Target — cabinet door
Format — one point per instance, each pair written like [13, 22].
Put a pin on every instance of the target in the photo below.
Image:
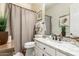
[39, 52]
[60, 53]
[47, 49]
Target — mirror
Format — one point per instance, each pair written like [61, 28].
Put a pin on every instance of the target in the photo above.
[60, 18]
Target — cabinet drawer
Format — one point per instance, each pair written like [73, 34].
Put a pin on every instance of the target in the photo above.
[47, 49]
[39, 52]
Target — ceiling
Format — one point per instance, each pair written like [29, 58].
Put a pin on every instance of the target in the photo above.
[48, 5]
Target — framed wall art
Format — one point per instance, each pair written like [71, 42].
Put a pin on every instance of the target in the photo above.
[64, 20]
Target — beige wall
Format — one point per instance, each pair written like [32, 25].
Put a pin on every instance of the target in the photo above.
[57, 11]
[74, 16]
[2, 8]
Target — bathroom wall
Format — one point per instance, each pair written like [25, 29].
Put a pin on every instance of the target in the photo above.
[74, 16]
[2, 8]
[56, 11]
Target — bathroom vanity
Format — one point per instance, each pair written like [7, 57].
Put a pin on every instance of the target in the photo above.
[47, 47]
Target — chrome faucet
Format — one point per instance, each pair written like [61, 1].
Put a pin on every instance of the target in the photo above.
[55, 37]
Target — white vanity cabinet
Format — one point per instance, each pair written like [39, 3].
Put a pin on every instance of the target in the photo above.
[42, 49]
[47, 47]
[58, 53]
[46, 50]
[39, 52]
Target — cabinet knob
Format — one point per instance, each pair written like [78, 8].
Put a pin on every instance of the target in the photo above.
[42, 54]
[44, 48]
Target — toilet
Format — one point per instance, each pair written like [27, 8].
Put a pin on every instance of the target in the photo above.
[29, 46]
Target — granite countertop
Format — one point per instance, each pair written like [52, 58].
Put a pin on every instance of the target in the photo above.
[65, 47]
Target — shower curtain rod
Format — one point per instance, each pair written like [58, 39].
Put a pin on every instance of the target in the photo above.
[22, 7]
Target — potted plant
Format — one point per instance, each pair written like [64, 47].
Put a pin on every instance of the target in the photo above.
[63, 27]
[63, 31]
[3, 33]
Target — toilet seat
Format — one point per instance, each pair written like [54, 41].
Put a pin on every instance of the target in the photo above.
[29, 45]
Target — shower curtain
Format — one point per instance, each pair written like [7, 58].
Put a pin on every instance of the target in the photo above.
[15, 17]
[23, 21]
[28, 22]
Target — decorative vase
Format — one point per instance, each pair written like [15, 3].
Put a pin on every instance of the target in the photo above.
[63, 31]
[3, 38]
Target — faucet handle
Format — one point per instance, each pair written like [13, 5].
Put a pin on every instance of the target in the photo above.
[59, 39]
